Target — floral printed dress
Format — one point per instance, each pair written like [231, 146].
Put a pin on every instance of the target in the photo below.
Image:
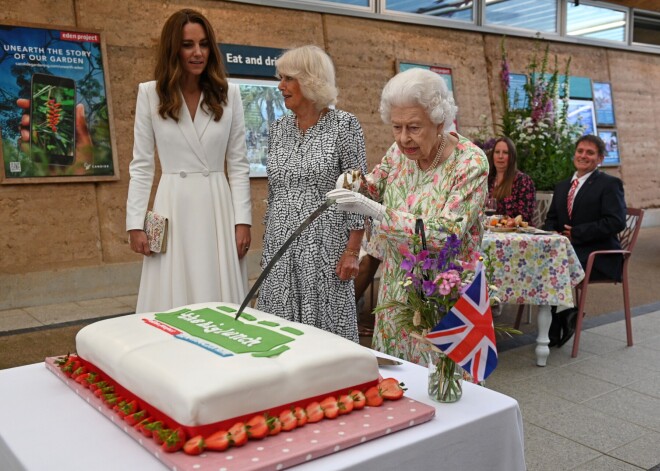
[522, 199]
[449, 199]
[302, 167]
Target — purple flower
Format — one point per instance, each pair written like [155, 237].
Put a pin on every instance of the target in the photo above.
[504, 75]
[429, 287]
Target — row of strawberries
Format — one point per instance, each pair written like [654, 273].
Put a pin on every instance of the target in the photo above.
[257, 428]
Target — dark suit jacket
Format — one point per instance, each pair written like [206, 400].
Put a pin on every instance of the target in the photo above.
[599, 214]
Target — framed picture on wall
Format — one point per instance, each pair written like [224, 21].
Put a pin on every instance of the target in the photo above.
[444, 72]
[262, 104]
[603, 104]
[516, 91]
[611, 141]
[582, 112]
[56, 114]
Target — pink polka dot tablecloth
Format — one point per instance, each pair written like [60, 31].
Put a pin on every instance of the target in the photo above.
[286, 449]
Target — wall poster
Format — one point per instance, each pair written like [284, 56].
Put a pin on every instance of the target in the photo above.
[603, 104]
[262, 105]
[611, 141]
[444, 72]
[55, 116]
[582, 112]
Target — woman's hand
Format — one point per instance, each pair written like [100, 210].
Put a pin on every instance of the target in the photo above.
[348, 265]
[138, 240]
[352, 202]
[243, 239]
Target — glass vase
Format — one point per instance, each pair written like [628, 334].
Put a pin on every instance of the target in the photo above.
[445, 378]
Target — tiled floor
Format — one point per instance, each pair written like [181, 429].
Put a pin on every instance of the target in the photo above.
[599, 411]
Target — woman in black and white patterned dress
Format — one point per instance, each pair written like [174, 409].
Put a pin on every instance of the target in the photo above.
[307, 151]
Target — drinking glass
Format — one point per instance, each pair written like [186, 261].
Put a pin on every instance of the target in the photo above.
[491, 206]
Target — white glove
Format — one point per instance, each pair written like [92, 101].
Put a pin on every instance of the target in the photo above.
[352, 202]
[346, 178]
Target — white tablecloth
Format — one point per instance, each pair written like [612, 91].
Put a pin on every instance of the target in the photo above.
[45, 426]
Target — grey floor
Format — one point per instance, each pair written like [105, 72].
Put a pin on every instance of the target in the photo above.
[599, 411]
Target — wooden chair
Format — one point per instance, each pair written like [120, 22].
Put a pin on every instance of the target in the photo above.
[628, 238]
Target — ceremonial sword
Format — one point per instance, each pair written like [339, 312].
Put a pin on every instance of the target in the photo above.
[281, 251]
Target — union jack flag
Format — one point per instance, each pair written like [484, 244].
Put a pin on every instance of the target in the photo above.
[466, 332]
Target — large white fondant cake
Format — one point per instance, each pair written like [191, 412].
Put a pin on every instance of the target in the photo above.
[199, 366]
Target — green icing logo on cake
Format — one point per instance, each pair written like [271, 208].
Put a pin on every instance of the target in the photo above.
[219, 332]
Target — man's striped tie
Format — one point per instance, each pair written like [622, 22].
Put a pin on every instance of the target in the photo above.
[571, 196]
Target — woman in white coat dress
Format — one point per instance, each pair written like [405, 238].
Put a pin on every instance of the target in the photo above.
[194, 119]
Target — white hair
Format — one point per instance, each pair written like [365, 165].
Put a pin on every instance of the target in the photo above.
[315, 72]
[418, 87]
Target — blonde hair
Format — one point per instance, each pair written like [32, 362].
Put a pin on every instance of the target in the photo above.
[315, 72]
[419, 87]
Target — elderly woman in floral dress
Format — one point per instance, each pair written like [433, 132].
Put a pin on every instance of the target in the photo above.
[429, 174]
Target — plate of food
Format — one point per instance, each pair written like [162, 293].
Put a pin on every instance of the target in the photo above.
[502, 229]
[506, 224]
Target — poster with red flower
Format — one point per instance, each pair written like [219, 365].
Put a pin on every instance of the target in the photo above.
[55, 115]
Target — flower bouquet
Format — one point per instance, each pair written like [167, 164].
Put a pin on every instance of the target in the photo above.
[433, 283]
[436, 311]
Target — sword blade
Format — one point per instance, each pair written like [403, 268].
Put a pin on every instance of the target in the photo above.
[320, 210]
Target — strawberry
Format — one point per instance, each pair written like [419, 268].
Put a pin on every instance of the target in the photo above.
[88, 379]
[238, 434]
[218, 441]
[391, 389]
[135, 417]
[374, 399]
[359, 400]
[274, 425]
[257, 428]
[174, 441]
[301, 416]
[70, 367]
[314, 412]
[127, 408]
[194, 446]
[81, 370]
[82, 379]
[289, 421]
[61, 361]
[111, 399]
[100, 392]
[345, 404]
[149, 429]
[159, 435]
[330, 407]
[98, 385]
[141, 424]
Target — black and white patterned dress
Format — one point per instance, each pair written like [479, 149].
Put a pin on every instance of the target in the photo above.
[302, 168]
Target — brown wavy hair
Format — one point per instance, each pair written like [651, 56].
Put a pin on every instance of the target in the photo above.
[504, 189]
[168, 73]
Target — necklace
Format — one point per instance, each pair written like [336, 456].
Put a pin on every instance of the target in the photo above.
[438, 155]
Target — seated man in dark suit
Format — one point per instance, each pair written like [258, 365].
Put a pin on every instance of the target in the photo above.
[589, 208]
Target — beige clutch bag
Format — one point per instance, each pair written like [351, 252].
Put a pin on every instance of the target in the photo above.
[155, 226]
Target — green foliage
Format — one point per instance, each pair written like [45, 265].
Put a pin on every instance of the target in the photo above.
[544, 139]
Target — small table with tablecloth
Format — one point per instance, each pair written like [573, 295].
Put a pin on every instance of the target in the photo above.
[534, 268]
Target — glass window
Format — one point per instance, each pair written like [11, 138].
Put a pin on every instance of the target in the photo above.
[357, 3]
[595, 22]
[536, 15]
[451, 10]
[352, 3]
[646, 28]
